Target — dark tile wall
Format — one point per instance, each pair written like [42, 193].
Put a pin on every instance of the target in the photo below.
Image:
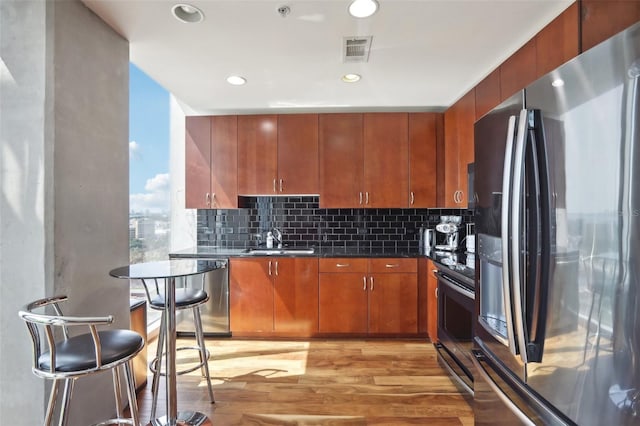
[303, 223]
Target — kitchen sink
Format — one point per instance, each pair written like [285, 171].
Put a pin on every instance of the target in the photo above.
[279, 251]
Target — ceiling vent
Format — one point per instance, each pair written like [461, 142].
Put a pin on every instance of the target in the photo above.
[356, 49]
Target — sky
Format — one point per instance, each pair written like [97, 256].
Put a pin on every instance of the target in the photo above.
[148, 144]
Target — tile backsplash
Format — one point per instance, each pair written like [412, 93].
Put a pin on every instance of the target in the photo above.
[303, 223]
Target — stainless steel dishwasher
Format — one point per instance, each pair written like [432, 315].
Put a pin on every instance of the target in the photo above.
[215, 313]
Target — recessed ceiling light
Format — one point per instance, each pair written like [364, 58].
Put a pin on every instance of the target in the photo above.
[363, 8]
[558, 82]
[236, 80]
[187, 13]
[350, 78]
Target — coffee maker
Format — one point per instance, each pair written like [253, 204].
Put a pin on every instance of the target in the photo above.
[449, 226]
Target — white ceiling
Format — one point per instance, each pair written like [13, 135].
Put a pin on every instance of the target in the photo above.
[425, 54]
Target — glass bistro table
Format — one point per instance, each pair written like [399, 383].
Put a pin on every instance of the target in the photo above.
[169, 270]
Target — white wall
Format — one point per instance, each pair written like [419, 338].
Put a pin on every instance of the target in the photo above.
[64, 203]
[183, 221]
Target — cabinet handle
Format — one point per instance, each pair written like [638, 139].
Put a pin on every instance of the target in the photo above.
[207, 199]
[413, 198]
[269, 268]
[213, 199]
[391, 265]
[360, 197]
[366, 197]
[364, 283]
[455, 197]
[342, 265]
[280, 185]
[371, 283]
[274, 185]
[276, 268]
[436, 292]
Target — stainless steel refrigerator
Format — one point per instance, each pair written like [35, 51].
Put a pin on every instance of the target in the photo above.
[557, 180]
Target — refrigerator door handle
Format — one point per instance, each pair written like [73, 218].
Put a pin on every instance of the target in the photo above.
[476, 359]
[518, 280]
[507, 178]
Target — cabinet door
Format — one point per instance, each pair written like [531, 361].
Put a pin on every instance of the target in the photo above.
[450, 184]
[559, 41]
[488, 93]
[198, 163]
[422, 159]
[250, 295]
[343, 303]
[393, 303]
[518, 70]
[298, 154]
[257, 154]
[295, 310]
[466, 120]
[432, 301]
[224, 162]
[386, 159]
[602, 19]
[341, 160]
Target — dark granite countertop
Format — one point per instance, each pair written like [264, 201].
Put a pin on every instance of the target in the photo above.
[207, 251]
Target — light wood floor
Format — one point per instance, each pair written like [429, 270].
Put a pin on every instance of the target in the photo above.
[328, 382]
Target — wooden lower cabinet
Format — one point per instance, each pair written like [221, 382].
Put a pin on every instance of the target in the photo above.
[273, 296]
[432, 301]
[367, 301]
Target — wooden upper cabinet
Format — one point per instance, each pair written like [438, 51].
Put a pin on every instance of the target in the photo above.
[459, 120]
[559, 41]
[298, 154]
[224, 162]
[488, 93]
[257, 154]
[602, 19]
[518, 70]
[386, 159]
[466, 146]
[341, 160]
[423, 133]
[197, 162]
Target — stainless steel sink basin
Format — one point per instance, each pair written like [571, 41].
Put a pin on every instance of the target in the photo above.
[279, 251]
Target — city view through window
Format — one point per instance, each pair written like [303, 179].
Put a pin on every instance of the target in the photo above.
[149, 200]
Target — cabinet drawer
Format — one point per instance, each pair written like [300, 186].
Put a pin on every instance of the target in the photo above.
[393, 265]
[343, 264]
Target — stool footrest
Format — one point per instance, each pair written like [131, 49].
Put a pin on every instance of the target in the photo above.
[154, 362]
[115, 422]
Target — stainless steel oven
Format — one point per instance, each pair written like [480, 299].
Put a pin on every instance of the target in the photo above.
[456, 307]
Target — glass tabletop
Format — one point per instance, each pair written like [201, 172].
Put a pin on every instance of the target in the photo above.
[165, 269]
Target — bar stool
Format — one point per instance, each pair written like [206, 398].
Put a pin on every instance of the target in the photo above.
[186, 298]
[70, 358]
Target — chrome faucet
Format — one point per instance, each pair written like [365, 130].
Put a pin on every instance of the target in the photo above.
[277, 236]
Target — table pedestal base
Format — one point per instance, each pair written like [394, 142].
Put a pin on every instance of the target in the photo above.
[185, 418]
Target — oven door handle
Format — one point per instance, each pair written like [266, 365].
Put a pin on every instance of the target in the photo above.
[451, 284]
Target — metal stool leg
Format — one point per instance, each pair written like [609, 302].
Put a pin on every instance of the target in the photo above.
[66, 399]
[203, 350]
[158, 366]
[117, 390]
[131, 392]
[52, 402]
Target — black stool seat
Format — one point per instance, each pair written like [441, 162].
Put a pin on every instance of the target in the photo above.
[184, 297]
[78, 353]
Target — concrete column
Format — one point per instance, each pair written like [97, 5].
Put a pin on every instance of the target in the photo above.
[63, 187]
